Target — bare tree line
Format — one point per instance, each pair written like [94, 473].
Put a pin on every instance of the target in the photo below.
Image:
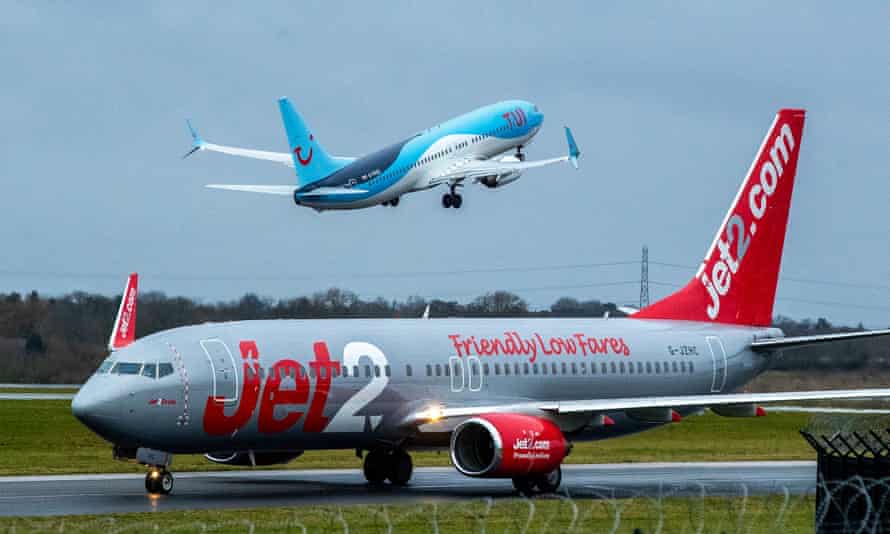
[62, 339]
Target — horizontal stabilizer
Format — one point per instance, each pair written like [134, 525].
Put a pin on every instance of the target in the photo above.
[285, 190]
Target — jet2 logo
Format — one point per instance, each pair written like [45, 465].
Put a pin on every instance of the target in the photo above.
[127, 314]
[737, 230]
[271, 395]
[299, 152]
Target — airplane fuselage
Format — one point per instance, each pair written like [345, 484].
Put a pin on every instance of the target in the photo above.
[323, 384]
[421, 161]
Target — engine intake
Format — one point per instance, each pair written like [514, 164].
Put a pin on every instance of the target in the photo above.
[493, 181]
[259, 458]
[507, 445]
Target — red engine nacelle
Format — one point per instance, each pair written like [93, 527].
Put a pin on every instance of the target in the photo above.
[502, 445]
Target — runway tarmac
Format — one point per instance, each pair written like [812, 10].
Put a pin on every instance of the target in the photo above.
[116, 493]
[36, 396]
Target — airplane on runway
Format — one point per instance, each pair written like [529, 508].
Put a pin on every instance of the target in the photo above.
[506, 397]
[483, 146]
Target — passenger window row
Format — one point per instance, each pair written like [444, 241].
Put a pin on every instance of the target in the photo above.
[402, 170]
[569, 368]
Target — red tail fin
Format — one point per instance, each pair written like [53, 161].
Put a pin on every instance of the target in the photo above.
[736, 283]
[124, 331]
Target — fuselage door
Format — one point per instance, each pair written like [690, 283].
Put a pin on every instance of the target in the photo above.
[224, 384]
[718, 357]
[474, 370]
[457, 373]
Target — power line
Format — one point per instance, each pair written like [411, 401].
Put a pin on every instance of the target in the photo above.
[802, 301]
[360, 275]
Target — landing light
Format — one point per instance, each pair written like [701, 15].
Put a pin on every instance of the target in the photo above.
[433, 413]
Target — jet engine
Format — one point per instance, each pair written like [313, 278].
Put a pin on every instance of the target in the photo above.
[247, 458]
[501, 445]
[499, 180]
[494, 181]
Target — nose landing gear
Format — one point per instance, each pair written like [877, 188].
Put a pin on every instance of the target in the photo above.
[159, 481]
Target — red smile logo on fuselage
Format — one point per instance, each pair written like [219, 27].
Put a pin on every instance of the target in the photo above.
[299, 152]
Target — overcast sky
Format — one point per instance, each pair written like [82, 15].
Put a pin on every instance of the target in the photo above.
[668, 104]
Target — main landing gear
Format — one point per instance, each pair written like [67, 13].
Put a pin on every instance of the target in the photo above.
[539, 483]
[159, 481]
[395, 466]
[452, 199]
[391, 203]
[520, 155]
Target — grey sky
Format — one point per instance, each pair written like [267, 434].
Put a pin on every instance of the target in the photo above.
[668, 103]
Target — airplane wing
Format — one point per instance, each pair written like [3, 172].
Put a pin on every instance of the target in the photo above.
[437, 413]
[285, 158]
[769, 345]
[479, 170]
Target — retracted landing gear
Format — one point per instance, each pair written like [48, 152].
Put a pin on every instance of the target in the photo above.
[452, 199]
[539, 483]
[395, 466]
[159, 481]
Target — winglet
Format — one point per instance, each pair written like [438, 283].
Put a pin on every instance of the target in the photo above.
[124, 331]
[197, 142]
[574, 153]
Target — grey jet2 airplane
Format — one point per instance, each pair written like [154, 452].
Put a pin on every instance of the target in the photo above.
[507, 397]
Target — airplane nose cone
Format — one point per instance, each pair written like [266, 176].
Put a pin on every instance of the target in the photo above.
[95, 408]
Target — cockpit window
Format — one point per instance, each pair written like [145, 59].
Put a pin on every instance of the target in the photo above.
[149, 370]
[106, 365]
[126, 368]
[165, 369]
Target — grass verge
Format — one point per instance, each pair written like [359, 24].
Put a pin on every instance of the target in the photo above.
[751, 515]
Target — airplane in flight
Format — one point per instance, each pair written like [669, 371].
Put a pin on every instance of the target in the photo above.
[483, 146]
[507, 397]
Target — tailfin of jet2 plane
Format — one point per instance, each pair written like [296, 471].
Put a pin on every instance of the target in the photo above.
[311, 161]
[736, 282]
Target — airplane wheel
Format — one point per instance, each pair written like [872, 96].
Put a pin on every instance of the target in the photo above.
[400, 468]
[548, 482]
[159, 482]
[524, 486]
[446, 200]
[456, 201]
[394, 202]
[376, 467]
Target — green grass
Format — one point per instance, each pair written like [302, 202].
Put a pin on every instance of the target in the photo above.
[752, 515]
[42, 437]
